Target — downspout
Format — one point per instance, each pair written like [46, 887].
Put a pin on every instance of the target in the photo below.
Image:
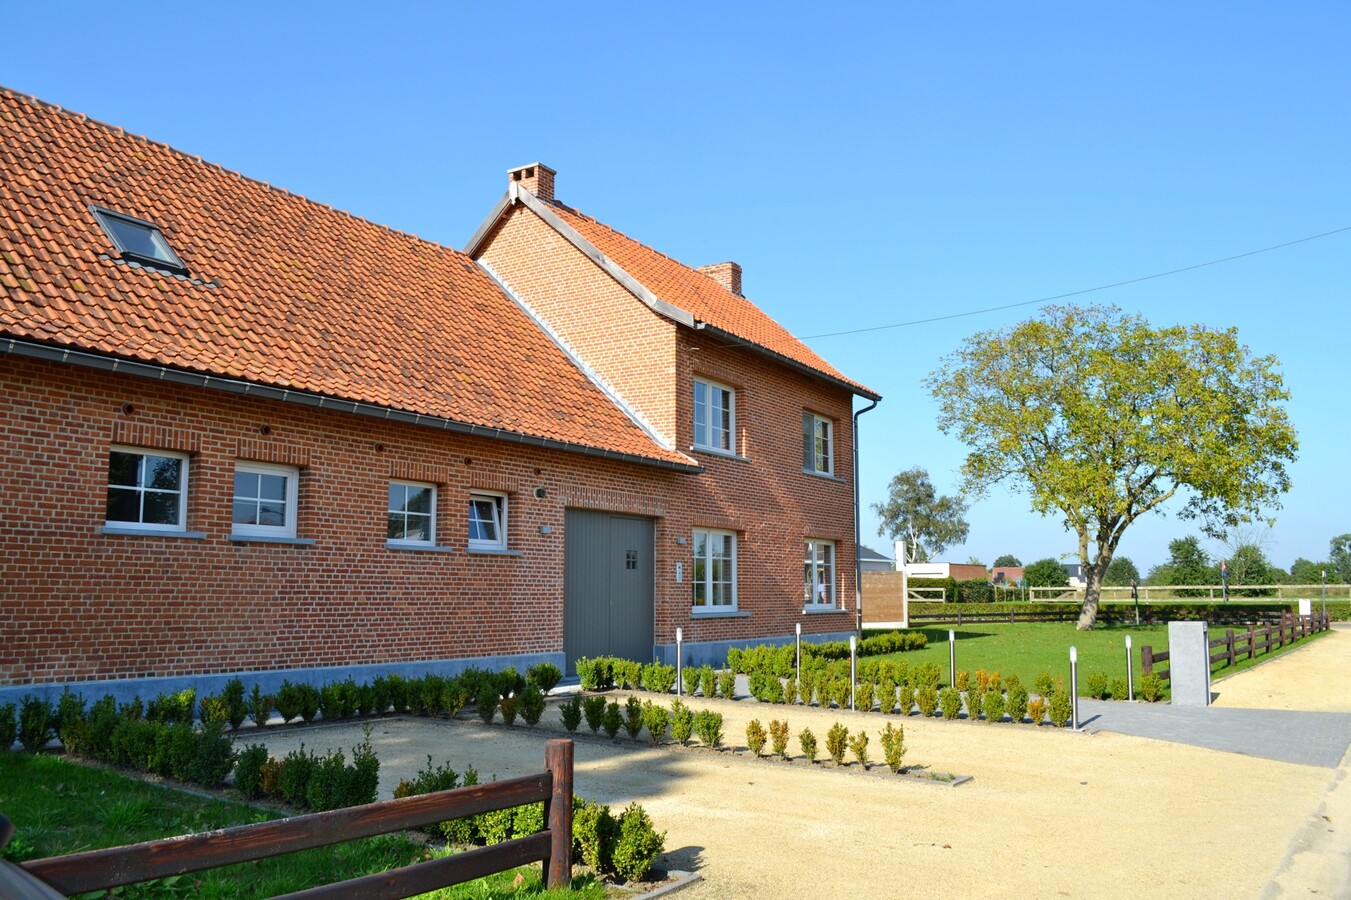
[858, 566]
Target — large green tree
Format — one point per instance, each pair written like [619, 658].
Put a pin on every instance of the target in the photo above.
[1102, 418]
[1008, 559]
[1339, 555]
[1048, 572]
[1121, 572]
[914, 511]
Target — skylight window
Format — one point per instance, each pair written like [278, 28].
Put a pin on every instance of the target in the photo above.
[139, 241]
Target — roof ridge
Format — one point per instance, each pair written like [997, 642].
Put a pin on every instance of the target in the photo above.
[119, 130]
[628, 237]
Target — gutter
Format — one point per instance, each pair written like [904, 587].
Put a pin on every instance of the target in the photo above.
[858, 566]
[789, 362]
[320, 401]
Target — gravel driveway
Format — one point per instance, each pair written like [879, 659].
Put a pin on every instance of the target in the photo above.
[1049, 812]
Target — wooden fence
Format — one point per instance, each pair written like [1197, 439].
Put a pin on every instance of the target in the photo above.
[1209, 592]
[1230, 648]
[98, 870]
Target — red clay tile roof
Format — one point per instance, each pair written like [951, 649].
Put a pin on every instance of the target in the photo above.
[285, 292]
[699, 294]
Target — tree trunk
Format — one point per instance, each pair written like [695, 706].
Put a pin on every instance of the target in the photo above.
[1088, 615]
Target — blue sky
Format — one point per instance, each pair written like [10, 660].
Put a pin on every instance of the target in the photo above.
[866, 164]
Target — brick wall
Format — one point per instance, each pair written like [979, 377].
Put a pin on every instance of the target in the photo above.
[79, 604]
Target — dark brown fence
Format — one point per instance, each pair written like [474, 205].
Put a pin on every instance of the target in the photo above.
[1242, 645]
[97, 870]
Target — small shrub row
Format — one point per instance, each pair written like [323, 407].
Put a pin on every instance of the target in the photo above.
[626, 845]
[306, 781]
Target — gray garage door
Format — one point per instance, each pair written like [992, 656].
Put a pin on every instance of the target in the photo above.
[607, 586]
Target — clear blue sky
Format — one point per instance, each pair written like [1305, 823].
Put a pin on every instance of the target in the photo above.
[867, 164]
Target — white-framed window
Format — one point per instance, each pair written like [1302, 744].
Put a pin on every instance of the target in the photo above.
[818, 440]
[265, 500]
[714, 570]
[714, 416]
[487, 521]
[818, 573]
[412, 512]
[147, 489]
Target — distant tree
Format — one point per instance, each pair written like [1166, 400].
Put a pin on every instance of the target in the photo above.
[913, 510]
[1046, 572]
[1249, 565]
[1121, 572]
[1188, 563]
[1306, 571]
[1103, 418]
[1339, 556]
[974, 561]
[1008, 559]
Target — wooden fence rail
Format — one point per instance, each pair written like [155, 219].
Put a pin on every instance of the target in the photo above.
[1243, 644]
[97, 870]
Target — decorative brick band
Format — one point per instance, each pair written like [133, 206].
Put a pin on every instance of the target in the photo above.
[159, 437]
[273, 452]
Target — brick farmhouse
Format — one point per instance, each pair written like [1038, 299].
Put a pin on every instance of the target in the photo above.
[246, 434]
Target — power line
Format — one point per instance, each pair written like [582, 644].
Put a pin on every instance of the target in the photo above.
[1101, 287]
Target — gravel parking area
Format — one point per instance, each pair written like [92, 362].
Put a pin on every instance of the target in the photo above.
[1048, 812]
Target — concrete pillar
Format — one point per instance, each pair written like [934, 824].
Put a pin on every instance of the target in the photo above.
[1189, 663]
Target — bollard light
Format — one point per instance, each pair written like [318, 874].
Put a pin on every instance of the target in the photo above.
[952, 657]
[1130, 671]
[1074, 688]
[853, 668]
[680, 659]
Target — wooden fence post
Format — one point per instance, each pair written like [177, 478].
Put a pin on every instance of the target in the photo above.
[1252, 642]
[1229, 644]
[1146, 659]
[558, 814]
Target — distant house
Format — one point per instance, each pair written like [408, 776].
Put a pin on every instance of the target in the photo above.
[1075, 573]
[869, 560]
[1002, 576]
[955, 571]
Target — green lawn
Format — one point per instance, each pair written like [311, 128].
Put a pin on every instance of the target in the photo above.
[59, 807]
[1029, 648]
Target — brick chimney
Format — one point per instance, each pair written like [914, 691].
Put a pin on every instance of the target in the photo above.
[727, 274]
[536, 178]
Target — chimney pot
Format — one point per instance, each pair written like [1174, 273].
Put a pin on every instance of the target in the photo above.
[536, 178]
[727, 274]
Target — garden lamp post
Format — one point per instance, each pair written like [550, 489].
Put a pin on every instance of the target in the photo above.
[1323, 581]
[1130, 670]
[798, 627]
[853, 668]
[1074, 688]
[680, 681]
[952, 657]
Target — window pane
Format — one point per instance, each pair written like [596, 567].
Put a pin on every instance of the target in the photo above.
[483, 520]
[700, 413]
[396, 496]
[419, 500]
[124, 468]
[160, 508]
[246, 484]
[162, 472]
[245, 512]
[271, 512]
[124, 505]
[396, 529]
[272, 487]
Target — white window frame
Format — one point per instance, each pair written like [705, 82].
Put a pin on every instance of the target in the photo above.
[818, 592]
[292, 476]
[500, 520]
[703, 437]
[822, 458]
[430, 540]
[709, 606]
[185, 464]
